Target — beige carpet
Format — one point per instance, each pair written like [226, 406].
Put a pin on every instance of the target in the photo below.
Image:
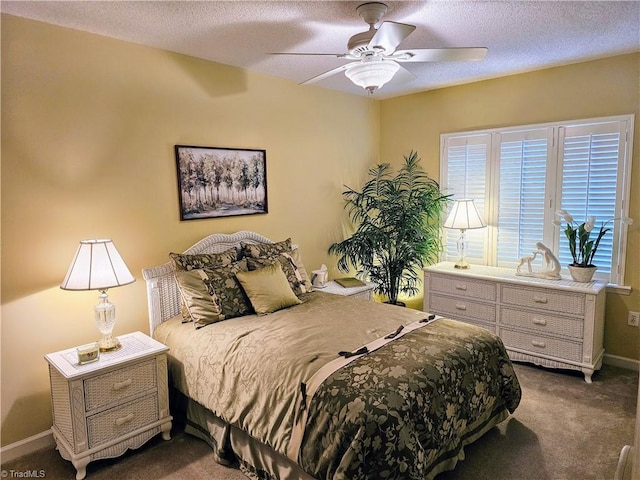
[564, 429]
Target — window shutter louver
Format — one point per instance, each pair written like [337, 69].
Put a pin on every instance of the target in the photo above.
[467, 160]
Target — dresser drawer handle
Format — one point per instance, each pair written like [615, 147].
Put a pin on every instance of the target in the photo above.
[122, 420]
[538, 343]
[461, 287]
[540, 299]
[460, 306]
[124, 384]
[539, 321]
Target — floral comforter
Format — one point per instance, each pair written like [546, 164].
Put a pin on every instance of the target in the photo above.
[403, 411]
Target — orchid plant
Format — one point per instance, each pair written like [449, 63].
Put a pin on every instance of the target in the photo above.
[582, 248]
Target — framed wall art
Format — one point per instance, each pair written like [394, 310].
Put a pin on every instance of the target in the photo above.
[221, 182]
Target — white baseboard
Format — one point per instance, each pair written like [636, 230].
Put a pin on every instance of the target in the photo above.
[26, 446]
[621, 362]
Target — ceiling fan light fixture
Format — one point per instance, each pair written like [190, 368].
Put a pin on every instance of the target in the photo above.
[372, 74]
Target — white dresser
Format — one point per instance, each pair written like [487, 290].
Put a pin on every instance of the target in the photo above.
[103, 408]
[554, 323]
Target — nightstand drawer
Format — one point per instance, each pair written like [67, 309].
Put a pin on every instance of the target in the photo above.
[552, 347]
[462, 307]
[542, 322]
[118, 421]
[113, 387]
[463, 287]
[572, 303]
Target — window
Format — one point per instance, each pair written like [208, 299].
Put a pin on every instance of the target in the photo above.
[519, 177]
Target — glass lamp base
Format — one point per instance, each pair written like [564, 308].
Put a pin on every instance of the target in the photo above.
[108, 344]
[462, 264]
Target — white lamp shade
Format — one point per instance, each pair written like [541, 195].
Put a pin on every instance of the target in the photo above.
[464, 215]
[97, 266]
[372, 74]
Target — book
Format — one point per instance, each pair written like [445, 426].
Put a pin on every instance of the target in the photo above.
[349, 282]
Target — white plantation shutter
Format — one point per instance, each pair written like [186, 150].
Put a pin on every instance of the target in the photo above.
[521, 195]
[466, 177]
[520, 176]
[590, 175]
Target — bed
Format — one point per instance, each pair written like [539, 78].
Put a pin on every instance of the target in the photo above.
[315, 385]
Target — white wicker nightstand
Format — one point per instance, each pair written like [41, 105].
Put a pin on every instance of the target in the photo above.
[103, 408]
[365, 291]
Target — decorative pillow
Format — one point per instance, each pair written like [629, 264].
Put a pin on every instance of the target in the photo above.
[200, 261]
[262, 250]
[204, 260]
[268, 289]
[289, 267]
[231, 297]
[297, 258]
[198, 297]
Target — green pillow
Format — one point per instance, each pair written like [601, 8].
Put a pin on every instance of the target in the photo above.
[198, 297]
[268, 289]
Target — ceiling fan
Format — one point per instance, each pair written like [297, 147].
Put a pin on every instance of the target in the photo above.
[376, 60]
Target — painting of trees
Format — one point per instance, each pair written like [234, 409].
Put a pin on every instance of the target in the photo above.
[220, 182]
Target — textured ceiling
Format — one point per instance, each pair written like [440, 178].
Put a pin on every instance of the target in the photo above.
[520, 35]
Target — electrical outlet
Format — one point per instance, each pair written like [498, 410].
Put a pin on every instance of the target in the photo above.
[634, 319]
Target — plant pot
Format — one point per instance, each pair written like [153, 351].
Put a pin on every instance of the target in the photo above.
[582, 274]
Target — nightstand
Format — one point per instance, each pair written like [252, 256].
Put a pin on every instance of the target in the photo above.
[365, 291]
[103, 408]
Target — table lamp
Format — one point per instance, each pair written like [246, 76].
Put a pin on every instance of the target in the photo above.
[464, 215]
[98, 266]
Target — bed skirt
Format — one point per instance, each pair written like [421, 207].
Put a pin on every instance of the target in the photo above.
[258, 461]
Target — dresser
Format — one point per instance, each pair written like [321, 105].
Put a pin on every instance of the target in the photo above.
[553, 323]
[103, 408]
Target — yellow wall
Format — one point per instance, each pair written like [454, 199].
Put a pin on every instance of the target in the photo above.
[88, 130]
[599, 88]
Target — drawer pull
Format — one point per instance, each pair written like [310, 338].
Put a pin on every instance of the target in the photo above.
[124, 384]
[539, 321]
[461, 287]
[540, 299]
[122, 420]
[538, 343]
[460, 306]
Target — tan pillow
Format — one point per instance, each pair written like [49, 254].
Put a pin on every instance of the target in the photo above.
[268, 289]
[198, 297]
[289, 268]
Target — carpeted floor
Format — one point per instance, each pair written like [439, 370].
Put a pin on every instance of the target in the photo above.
[564, 429]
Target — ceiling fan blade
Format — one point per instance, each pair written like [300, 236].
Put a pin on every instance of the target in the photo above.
[339, 55]
[403, 76]
[441, 54]
[390, 35]
[324, 75]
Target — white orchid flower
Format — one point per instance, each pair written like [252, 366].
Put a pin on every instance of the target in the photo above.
[590, 223]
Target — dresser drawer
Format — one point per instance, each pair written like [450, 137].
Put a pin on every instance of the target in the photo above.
[126, 382]
[462, 308]
[572, 303]
[538, 344]
[542, 322]
[463, 287]
[116, 422]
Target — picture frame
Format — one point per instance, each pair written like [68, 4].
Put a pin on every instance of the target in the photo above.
[221, 182]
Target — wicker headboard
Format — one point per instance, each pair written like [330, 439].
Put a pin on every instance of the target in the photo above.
[162, 291]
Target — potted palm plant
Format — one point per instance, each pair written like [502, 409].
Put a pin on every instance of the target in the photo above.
[396, 216]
